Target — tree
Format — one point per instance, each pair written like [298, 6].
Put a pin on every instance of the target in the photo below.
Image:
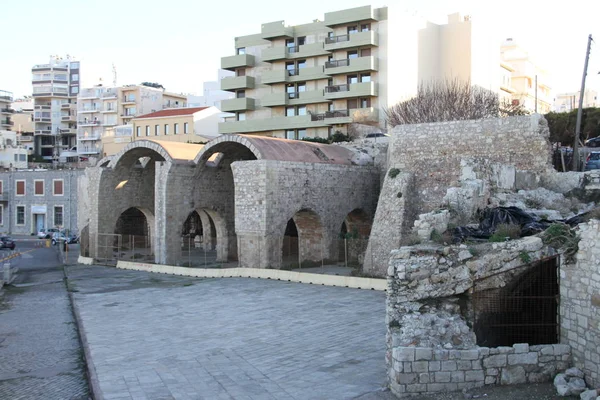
[450, 100]
[562, 125]
[153, 85]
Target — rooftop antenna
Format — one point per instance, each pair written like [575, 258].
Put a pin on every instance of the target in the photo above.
[114, 71]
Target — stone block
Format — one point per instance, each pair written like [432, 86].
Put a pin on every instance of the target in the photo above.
[523, 359]
[440, 355]
[490, 380]
[420, 366]
[442, 377]
[521, 348]
[492, 371]
[424, 378]
[495, 361]
[547, 351]
[513, 375]
[423, 354]
[435, 366]
[406, 379]
[416, 388]
[464, 365]
[560, 349]
[457, 376]
[449, 366]
[442, 387]
[472, 354]
[472, 376]
[404, 353]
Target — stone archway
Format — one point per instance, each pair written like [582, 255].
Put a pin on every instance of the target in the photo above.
[354, 238]
[308, 242]
[134, 233]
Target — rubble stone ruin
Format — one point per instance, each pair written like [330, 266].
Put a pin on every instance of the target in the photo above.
[491, 256]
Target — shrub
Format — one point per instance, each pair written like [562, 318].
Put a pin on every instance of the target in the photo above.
[393, 172]
[316, 140]
[340, 137]
[503, 231]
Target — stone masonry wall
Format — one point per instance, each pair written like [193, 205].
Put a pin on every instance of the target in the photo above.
[417, 370]
[580, 303]
[269, 193]
[433, 151]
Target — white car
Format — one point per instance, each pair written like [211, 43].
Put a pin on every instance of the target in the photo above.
[46, 233]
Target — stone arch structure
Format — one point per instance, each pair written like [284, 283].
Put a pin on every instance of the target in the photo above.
[135, 226]
[354, 236]
[310, 244]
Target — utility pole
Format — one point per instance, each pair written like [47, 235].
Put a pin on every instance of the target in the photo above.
[536, 93]
[575, 163]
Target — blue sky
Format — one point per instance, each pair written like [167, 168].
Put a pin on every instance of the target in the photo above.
[179, 43]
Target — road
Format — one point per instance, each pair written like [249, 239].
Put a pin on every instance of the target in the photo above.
[40, 355]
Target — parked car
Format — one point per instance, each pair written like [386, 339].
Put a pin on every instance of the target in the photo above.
[46, 233]
[61, 237]
[593, 161]
[7, 243]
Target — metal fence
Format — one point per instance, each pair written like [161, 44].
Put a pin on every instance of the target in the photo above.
[524, 310]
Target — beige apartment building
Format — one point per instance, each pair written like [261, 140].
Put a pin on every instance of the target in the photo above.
[100, 108]
[315, 79]
[185, 125]
[565, 102]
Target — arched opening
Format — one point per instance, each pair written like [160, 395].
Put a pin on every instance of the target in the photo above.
[203, 239]
[133, 234]
[303, 241]
[354, 238]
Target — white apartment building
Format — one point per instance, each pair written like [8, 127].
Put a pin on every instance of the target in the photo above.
[565, 102]
[6, 111]
[100, 108]
[12, 155]
[55, 90]
[212, 95]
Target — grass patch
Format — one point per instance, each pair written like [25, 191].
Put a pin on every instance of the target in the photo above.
[506, 232]
[393, 173]
[562, 237]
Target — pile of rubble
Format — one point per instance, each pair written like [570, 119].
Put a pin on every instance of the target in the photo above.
[571, 383]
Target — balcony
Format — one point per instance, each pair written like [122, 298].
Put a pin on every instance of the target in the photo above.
[109, 95]
[128, 115]
[109, 110]
[42, 119]
[237, 82]
[232, 105]
[276, 30]
[347, 116]
[43, 132]
[290, 53]
[128, 100]
[88, 123]
[291, 99]
[66, 105]
[348, 66]
[351, 15]
[7, 110]
[89, 137]
[89, 94]
[88, 150]
[270, 124]
[109, 123]
[231, 63]
[6, 122]
[43, 107]
[67, 118]
[362, 89]
[68, 131]
[294, 75]
[358, 39]
[89, 110]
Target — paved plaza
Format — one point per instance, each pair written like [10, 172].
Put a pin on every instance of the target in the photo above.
[155, 336]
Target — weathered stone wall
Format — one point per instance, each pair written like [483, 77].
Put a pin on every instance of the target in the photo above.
[433, 152]
[431, 342]
[269, 193]
[417, 370]
[580, 303]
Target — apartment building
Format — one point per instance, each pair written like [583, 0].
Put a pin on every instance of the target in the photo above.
[531, 83]
[565, 102]
[23, 123]
[34, 199]
[315, 79]
[12, 154]
[185, 125]
[55, 89]
[6, 111]
[212, 95]
[100, 108]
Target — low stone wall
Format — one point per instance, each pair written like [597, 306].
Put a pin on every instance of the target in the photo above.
[417, 370]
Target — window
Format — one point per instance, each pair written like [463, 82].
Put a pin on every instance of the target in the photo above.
[365, 27]
[175, 129]
[156, 130]
[185, 128]
[301, 134]
[352, 79]
[20, 215]
[147, 130]
[301, 87]
[138, 130]
[301, 64]
[365, 77]
[364, 102]
[240, 72]
[240, 94]
[75, 77]
[352, 54]
[21, 188]
[301, 110]
[58, 216]
[301, 40]
[290, 134]
[289, 43]
[290, 111]
[74, 89]
[241, 50]
[241, 116]
[57, 187]
[297, 134]
[352, 29]
[166, 129]
[22, 157]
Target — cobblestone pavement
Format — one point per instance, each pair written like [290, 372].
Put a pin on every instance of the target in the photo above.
[39, 348]
[166, 337]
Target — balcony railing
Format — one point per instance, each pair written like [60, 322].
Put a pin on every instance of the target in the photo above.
[6, 122]
[336, 39]
[43, 107]
[337, 63]
[89, 122]
[329, 114]
[337, 88]
[7, 110]
[129, 100]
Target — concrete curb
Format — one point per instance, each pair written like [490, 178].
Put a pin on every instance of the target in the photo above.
[93, 382]
[275, 274]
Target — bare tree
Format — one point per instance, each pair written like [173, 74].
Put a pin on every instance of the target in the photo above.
[450, 100]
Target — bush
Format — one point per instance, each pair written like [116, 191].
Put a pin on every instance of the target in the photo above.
[503, 231]
[340, 137]
[393, 172]
[316, 140]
